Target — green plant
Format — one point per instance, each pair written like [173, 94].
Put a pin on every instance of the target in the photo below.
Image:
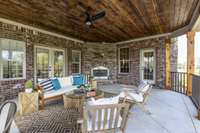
[29, 84]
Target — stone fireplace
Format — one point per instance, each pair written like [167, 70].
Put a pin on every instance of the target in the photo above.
[100, 72]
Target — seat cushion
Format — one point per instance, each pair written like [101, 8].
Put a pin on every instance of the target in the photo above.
[132, 96]
[56, 84]
[65, 81]
[61, 91]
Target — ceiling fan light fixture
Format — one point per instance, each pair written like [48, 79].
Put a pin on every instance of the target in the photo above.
[88, 23]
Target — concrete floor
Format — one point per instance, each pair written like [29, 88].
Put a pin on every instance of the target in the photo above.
[171, 112]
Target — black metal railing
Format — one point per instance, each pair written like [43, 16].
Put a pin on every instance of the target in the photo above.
[196, 90]
[179, 82]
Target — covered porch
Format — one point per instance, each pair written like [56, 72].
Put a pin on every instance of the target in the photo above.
[57, 48]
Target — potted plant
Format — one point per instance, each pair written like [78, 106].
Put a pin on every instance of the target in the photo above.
[29, 86]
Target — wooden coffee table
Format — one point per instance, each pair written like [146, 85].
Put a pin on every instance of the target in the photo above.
[72, 100]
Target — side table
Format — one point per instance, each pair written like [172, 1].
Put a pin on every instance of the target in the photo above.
[28, 102]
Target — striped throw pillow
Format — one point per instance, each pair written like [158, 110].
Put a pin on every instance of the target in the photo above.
[46, 85]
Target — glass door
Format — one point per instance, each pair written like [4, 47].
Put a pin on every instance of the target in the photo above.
[42, 63]
[58, 70]
[147, 66]
[49, 63]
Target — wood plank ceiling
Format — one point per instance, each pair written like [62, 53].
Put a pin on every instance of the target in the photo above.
[124, 20]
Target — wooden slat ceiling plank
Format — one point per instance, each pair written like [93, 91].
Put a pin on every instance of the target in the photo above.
[132, 15]
[191, 9]
[183, 12]
[158, 21]
[177, 13]
[126, 15]
[180, 12]
[163, 12]
[138, 9]
[151, 10]
[119, 26]
[172, 14]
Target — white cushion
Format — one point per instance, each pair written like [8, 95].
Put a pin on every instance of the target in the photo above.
[59, 91]
[133, 96]
[104, 101]
[65, 81]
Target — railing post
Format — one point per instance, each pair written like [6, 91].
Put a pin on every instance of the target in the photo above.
[168, 63]
[190, 60]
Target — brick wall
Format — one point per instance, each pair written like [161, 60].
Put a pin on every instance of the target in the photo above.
[100, 55]
[11, 88]
[93, 55]
[135, 47]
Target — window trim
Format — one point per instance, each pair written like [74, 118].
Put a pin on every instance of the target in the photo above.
[119, 66]
[77, 51]
[1, 60]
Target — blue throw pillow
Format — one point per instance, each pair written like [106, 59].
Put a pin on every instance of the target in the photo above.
[78, 79]
[56, 84]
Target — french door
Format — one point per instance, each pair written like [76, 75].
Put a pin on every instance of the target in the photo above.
[147, 65]
[49, 62]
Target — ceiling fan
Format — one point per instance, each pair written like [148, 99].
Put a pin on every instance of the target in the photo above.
[90, 19]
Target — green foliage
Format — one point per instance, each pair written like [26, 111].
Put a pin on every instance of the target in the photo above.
[29, 84]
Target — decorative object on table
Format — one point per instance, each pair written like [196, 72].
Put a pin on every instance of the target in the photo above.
[7, 114]
[94, 84]
[90, 78]
[91, 93]
[28, 102]
[29, 86]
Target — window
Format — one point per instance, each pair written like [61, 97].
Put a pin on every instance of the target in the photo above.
[124, 60]
[12, 59]
[76, 61]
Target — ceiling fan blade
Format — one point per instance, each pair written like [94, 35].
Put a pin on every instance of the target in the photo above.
[98, 15]
[87, 14]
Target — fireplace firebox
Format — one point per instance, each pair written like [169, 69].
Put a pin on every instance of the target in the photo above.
[100, 72]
